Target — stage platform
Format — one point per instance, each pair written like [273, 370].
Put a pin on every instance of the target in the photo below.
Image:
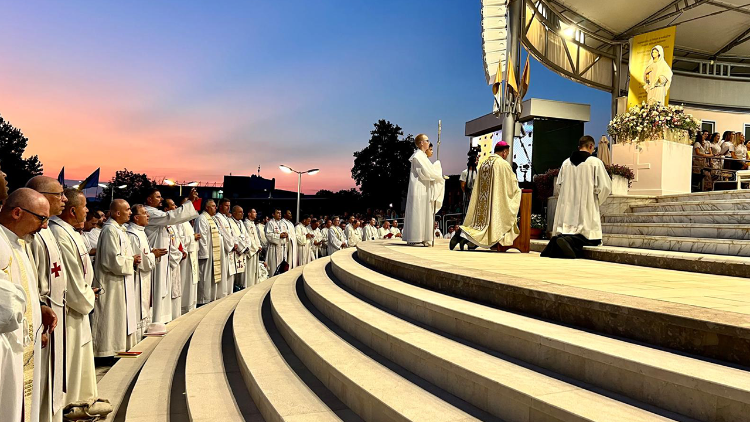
[399, 333]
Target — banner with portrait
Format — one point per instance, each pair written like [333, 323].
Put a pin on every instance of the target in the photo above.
[651, 67]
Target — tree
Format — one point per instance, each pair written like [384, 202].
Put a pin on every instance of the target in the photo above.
[381, 170]
[337, 202]
[12, 146]
[136, 187]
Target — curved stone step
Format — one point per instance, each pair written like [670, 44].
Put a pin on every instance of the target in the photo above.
[709, 231]
[368, 388]
[208, 393]
[690, 206]
[680, 244]
[680, 384]
[504, 389]
[694, 217]
[277, 391]
[150, 398]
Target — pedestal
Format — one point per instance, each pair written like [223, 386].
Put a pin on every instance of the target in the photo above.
[660, 167]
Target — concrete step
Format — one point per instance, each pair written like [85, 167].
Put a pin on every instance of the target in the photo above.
[681, 244]
[498, 386]
[706, 196]
[275, 388]
[735, 266]
[691, 206]
[370, 389]
[677, 383]
[708, 231]
[694, 217]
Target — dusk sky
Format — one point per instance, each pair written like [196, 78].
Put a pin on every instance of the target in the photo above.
[194, 90]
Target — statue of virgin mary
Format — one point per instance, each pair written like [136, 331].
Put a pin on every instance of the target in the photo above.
[657, 77]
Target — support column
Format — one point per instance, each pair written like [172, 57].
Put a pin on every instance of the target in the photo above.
[616, 81]
[513, 48]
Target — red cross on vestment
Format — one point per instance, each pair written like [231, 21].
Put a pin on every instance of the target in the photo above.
[56, 269]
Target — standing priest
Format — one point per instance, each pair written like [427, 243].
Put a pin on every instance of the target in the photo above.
[584, 185]
[189, 265]
[424, 195]
[159, 237]
[277, 235]
[253, 257]
[211, 256]
[142, 275]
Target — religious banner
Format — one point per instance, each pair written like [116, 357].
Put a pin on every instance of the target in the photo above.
[651, 67]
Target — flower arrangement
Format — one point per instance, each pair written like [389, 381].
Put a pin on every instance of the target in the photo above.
[618, 170]
[538, 221]
[545, 183]
[650, 121]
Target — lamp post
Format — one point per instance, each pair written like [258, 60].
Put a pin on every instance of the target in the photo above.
[311, 172]
[173, 183]
[112, 189]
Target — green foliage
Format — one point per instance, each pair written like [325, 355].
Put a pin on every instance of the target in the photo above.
[12, 146]
[343, 200]
[381, 170]
[137, 187]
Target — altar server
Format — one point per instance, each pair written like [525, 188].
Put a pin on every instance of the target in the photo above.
[52, 284]
[424, 193]
[25, 325]
[212, 259]
[304, 238]
[79, 274]
[584, 185]
[142, 275]
[159, 237]
[114, 321]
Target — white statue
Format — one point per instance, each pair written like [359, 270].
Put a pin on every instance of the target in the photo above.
[657, 77]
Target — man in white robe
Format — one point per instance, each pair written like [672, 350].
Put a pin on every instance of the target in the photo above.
[24, 333]
[394, 230]
[304, 239]
[584, 185]
[239, 231]
[327, 223]
[262, 232]
[317, 239]
[371, 233]
[114, 321]
[212, 260]
[384, 232]
[81, 375]
[492, 217]
[160, 238]
[277, 235]
[92, 229]
[176, 255]
[292, 249]
[255, 248]
[189, 265]
[352, 234]
[139, 243]
[231, 245]
[336, 237]
[424, 195]
[52, 284]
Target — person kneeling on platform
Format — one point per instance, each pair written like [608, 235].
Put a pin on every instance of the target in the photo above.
[584, 185]
[492, 216]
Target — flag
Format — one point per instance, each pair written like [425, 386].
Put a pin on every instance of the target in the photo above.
[525, 77]
[510, 74]
[498, 78]
[91, 182]
[61, 177]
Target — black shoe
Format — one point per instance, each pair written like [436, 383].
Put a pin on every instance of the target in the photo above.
[456, 239]
[565, 248]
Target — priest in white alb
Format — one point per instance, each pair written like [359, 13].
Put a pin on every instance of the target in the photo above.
[426, 189]
[278, 236]
[353, 236]
[304, 238]
[239, 231]
[159, 237]
[253, 254]
[492, 217]
[211, 257]
[114, 321]
[584, 185]
[371, 233]
[142, 275]
[189, 265]
[231, 247]
[79, 274]
[317, 239]
[176, 255]
[336, 237]
[292, 252]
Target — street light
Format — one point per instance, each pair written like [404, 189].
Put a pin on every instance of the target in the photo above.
[173, 183]
[311, 172]
[112, 189]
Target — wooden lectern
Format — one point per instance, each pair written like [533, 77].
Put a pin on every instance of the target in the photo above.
[523, 241]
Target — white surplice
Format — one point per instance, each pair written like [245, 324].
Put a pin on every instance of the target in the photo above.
[114, 320]
[142, 275]
[16, 332]
[189, 267]
[159, 237]
[277, 246]
[253, 253]
[80, 299]
[304, 245]
[583, 188]
[209, 289]
[424, 198]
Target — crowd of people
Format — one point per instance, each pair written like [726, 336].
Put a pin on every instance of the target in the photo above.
[713, 155]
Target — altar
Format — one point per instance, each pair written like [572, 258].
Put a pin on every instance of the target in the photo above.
[661, 167]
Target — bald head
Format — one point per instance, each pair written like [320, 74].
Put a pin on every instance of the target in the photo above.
[25, 212]
[421, 141]
[52, 190]
[119, 210]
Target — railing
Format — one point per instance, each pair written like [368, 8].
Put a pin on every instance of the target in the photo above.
[714, 69]
[714, 170]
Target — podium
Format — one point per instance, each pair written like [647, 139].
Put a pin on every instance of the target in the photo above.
[523, 241]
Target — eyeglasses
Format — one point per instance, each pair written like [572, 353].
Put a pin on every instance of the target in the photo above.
[42, 218]
[60, 194]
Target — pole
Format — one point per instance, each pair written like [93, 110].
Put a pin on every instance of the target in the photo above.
[440, 126]
[513, 48]
[112, 189]
[299, 184]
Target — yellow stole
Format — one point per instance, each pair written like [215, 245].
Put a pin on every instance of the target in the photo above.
[28, 350]
[215, 248]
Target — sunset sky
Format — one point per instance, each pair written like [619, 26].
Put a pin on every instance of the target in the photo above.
[194, 90]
